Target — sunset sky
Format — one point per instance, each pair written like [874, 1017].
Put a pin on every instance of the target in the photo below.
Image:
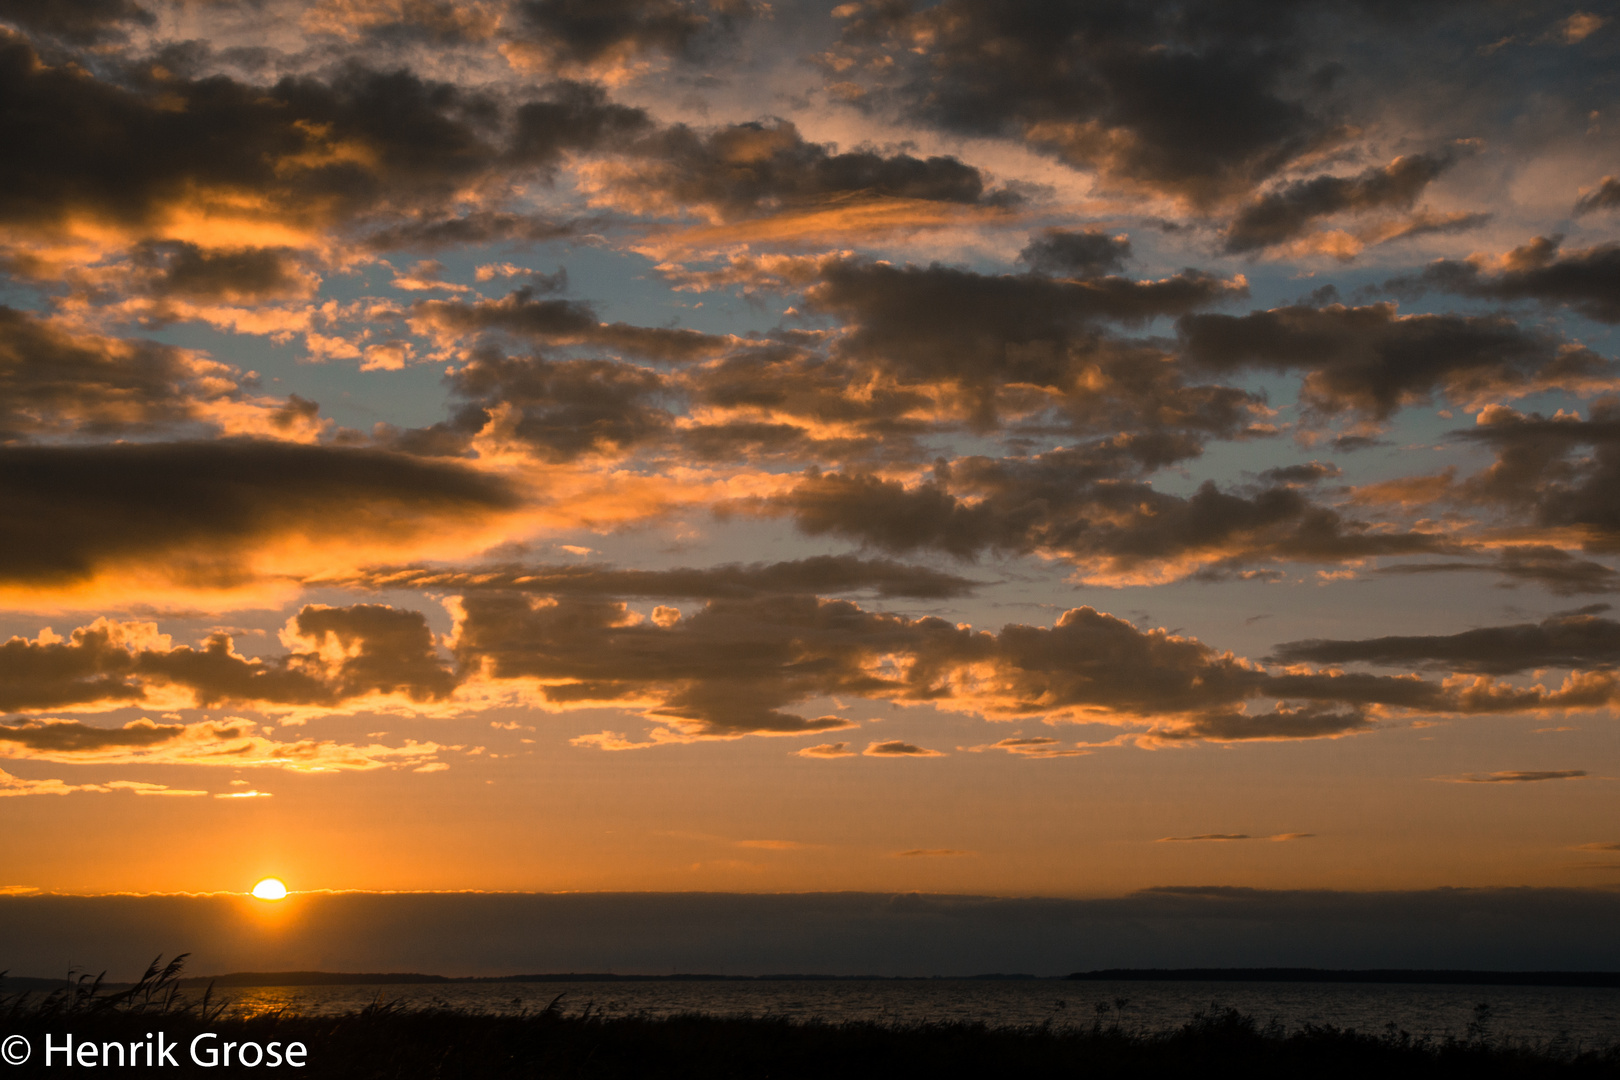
[982, 447]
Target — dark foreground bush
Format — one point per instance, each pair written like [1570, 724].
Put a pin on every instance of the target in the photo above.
[388, 1041]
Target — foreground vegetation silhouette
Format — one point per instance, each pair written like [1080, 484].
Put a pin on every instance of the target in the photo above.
[389, 1040]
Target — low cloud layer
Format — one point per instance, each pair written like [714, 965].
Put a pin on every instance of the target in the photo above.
[1534, 929]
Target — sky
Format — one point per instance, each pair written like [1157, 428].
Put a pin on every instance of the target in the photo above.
[982, 448]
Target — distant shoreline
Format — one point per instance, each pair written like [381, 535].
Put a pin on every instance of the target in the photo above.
[1396, 976]
[1410, 976]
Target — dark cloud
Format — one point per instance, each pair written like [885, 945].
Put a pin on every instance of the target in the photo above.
[570, 116]
[1223, 837]
[816, 574]
[236, 274]
[564, 408]
[504, 933]
[1606, 196]
[1586, 280]
[384, 650]
[81, 22]
[1563, 641]
[88, 668]
[1087, 254]
[523, 313]
[71, 736]
[56, 382]
[599, 32]
[726, 669]
[897, 748]
[746, 170]
[1553, 569]
[782, 402]
[1287, 213]
[1187, 98]
[74, 510]
[1084, 506]
[1374, 361]
[1540, 474]
[1309, 473]
[732, 668]
[1425, 223]
[378, 650]
[430, 233]
[437, 23]
[359, 143]
[985, 337]
[1521, 776]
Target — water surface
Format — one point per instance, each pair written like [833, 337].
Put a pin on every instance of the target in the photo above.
[1587, 1017]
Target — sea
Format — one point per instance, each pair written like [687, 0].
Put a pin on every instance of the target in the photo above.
[1570, 1018]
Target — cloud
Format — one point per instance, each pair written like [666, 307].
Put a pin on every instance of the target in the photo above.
[826, 750]
[227, 744]
[604, 36]
[981, 346]
[1289, 211]
[81, 22]
[1222, 837]
[195, 509]
[932, 853]
[732, 667]
[1563, 641]
[1311, 472]
[58, 382]
[341, 655]
[14, 786]
[556, 322]
[1188, 104]
[760, 168]
[431, 232]
[378, 25]
[1582, 279]
[818, 574]
[177, 268]
[1520, 776]
[1598, 847]
[1555, 570]
[1084, 506]
[1373, 361]
[897, 748]
[723, 670]
[1539, 476]
[1606, 196]
[1039, 747]
[1080, 254]
[157, 148]
[912, 934]
[564, 409]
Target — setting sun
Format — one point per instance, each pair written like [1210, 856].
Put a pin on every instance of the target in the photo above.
[270, 889]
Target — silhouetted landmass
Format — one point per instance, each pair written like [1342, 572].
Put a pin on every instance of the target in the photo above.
[1368, 975]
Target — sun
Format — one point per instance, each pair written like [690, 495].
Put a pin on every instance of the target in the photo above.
[270, 889]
